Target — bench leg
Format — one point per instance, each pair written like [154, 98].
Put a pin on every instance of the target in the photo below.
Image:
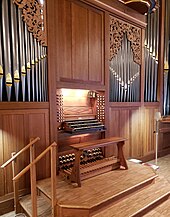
[75, 175]
[121, 155]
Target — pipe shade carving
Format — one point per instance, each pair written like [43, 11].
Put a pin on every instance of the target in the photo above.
[33, 13]
[117, 29]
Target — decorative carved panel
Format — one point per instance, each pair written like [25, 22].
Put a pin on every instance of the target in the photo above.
[117, 29]
[33, 13]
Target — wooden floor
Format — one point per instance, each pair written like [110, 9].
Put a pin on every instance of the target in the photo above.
[107, 185]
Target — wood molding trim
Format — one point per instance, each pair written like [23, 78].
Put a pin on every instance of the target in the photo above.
[23, 105]
[120, 10]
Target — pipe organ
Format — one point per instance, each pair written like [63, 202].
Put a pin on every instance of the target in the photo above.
[125, 61]
[23, 52]
[151, 56]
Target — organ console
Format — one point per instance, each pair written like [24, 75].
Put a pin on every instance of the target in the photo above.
[81, 132]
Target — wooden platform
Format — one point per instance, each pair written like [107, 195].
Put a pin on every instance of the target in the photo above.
[131, 192]
[99, 191]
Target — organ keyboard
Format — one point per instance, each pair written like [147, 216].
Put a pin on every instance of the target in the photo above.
[82, 125]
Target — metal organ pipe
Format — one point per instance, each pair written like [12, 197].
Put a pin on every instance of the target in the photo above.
[23, 64]
[124, 75]
[32, 58]
[15, 48]
[6, 47]
[36, 70]
[151, 56]
[28, 61]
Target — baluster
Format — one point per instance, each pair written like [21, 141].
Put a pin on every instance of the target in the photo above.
[15, 186]
[33, 181]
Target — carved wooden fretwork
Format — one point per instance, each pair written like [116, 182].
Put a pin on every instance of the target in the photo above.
[117, 29]
[33, 13]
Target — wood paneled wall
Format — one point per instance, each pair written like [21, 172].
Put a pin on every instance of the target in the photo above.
[137, 125]
[17, 126]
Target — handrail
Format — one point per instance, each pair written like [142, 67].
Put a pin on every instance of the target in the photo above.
[20, 152]
[33, 162]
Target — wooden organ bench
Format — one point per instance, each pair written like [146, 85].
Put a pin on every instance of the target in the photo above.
[80, 172]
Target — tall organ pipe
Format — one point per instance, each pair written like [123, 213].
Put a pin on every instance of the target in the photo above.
[7, 47]
[32, 56]
[151, 54]
[15, 57]
[22, 53]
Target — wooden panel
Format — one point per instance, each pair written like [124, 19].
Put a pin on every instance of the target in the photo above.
[79, 42]
[114, 130]
[125, 129]
[135, 134]
[114, 124]
[95, 46]
[38, 126]
[64, 39]
[137, 125]
[149, 139]
[13, 141]
[166, 141]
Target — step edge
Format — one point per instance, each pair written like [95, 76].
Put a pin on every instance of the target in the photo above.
[112, 197]
[127, 191]
[140, 211]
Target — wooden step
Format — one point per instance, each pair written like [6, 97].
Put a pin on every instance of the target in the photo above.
[137, 204]
[101, 190]
[162, 210]
[44, 207]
